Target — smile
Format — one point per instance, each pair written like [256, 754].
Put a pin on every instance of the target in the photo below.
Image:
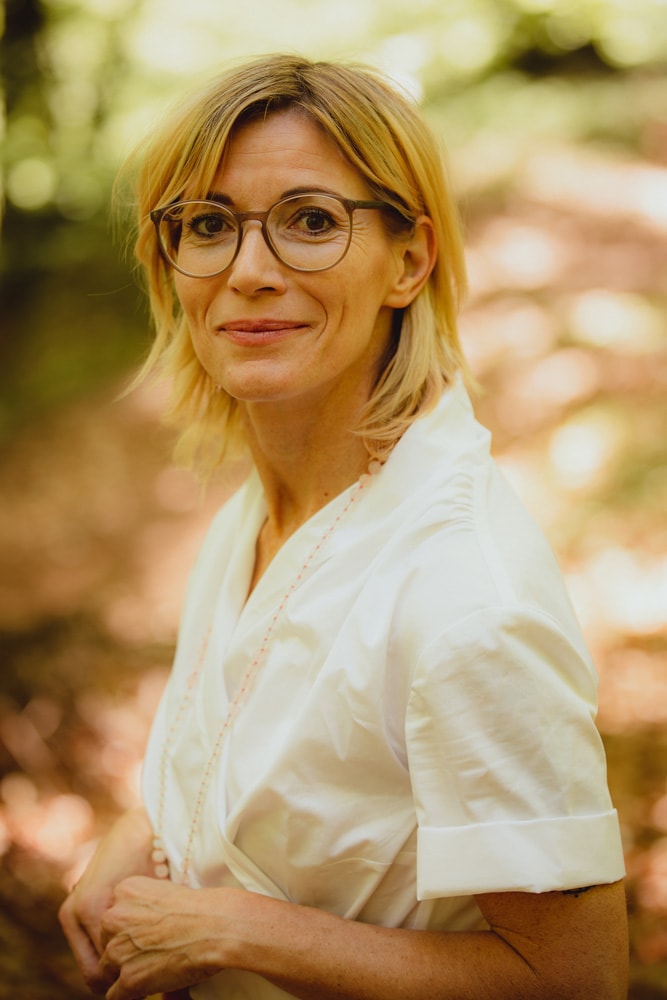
[259, 331]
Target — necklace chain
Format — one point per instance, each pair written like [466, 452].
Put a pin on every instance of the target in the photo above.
[159, 854]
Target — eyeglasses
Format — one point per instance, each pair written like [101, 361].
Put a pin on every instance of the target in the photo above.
[309, 232]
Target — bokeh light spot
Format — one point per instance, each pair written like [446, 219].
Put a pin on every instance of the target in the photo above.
[624, 321]
[581, 449]
[31, 183]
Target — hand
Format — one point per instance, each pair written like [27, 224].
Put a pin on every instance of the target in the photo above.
[159, 937]
[81, 918]
[124, 851]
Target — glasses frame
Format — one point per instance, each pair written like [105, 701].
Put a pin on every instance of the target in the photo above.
[349, 204]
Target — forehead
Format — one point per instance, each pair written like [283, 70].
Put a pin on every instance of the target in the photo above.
[285, 151]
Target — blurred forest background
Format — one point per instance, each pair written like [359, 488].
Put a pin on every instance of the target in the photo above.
[554, 113]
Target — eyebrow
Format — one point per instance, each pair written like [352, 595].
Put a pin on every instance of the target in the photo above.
[224, 199]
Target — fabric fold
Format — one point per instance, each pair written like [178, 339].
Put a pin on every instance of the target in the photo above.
[532, 856]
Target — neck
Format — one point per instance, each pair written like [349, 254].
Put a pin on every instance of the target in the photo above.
[304, 462]
[303, 465]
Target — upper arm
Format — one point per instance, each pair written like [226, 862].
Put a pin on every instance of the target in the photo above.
[507, 769]
[576, 944]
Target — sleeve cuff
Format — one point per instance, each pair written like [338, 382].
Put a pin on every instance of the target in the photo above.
[528, 856]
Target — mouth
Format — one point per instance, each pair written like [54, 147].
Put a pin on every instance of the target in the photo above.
[259, 325]
[259, 331]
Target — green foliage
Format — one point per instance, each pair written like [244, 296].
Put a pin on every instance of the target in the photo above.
[82, 79]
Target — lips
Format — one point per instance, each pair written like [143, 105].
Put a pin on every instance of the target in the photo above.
[259, 326]
[255, 333]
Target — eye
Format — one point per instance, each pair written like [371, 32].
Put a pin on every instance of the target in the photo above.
[315, 220]
[210, 224]
[309, 219]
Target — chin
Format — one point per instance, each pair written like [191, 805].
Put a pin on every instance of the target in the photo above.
[261, 386]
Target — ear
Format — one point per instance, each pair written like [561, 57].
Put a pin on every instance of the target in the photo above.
[416, 259]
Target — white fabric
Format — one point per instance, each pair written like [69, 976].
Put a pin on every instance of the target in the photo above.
[421, 728]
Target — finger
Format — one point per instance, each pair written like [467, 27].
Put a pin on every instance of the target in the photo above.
[77, 935]
[111, 922]
[119, 991]
[86, 955]
[86, 913]
[109, 971]
[116, 992]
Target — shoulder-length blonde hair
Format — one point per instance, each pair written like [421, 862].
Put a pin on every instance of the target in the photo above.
[384, 136]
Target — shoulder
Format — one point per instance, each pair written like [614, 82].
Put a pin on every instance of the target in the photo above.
[474, 570]
[460, 542]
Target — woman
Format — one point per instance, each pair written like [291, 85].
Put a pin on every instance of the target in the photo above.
[374, 772]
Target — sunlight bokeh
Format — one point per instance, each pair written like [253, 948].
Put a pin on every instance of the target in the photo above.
[554, 117]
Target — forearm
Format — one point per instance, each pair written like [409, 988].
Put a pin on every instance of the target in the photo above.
[132, 834]
[161, 936]
[124, 851]
[314, 955]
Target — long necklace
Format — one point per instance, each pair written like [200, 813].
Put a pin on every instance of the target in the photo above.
[159, 854]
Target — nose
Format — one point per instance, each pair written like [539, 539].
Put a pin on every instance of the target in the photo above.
[255, 268]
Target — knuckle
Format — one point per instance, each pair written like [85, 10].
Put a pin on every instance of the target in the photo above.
[108, 922]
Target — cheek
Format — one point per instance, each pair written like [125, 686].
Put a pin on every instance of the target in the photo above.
[193, 304]
[349, 290]
[191, 296]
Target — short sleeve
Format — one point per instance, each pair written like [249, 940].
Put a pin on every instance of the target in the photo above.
[507, 767]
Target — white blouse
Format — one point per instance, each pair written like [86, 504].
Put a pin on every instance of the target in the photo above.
[421, 725]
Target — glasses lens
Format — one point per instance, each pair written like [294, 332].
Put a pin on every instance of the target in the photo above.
[199, 237]
[309, 232]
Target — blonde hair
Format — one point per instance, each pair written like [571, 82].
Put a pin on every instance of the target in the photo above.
[383, 135]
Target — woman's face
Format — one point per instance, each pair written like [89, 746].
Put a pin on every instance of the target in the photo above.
[269, 334]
